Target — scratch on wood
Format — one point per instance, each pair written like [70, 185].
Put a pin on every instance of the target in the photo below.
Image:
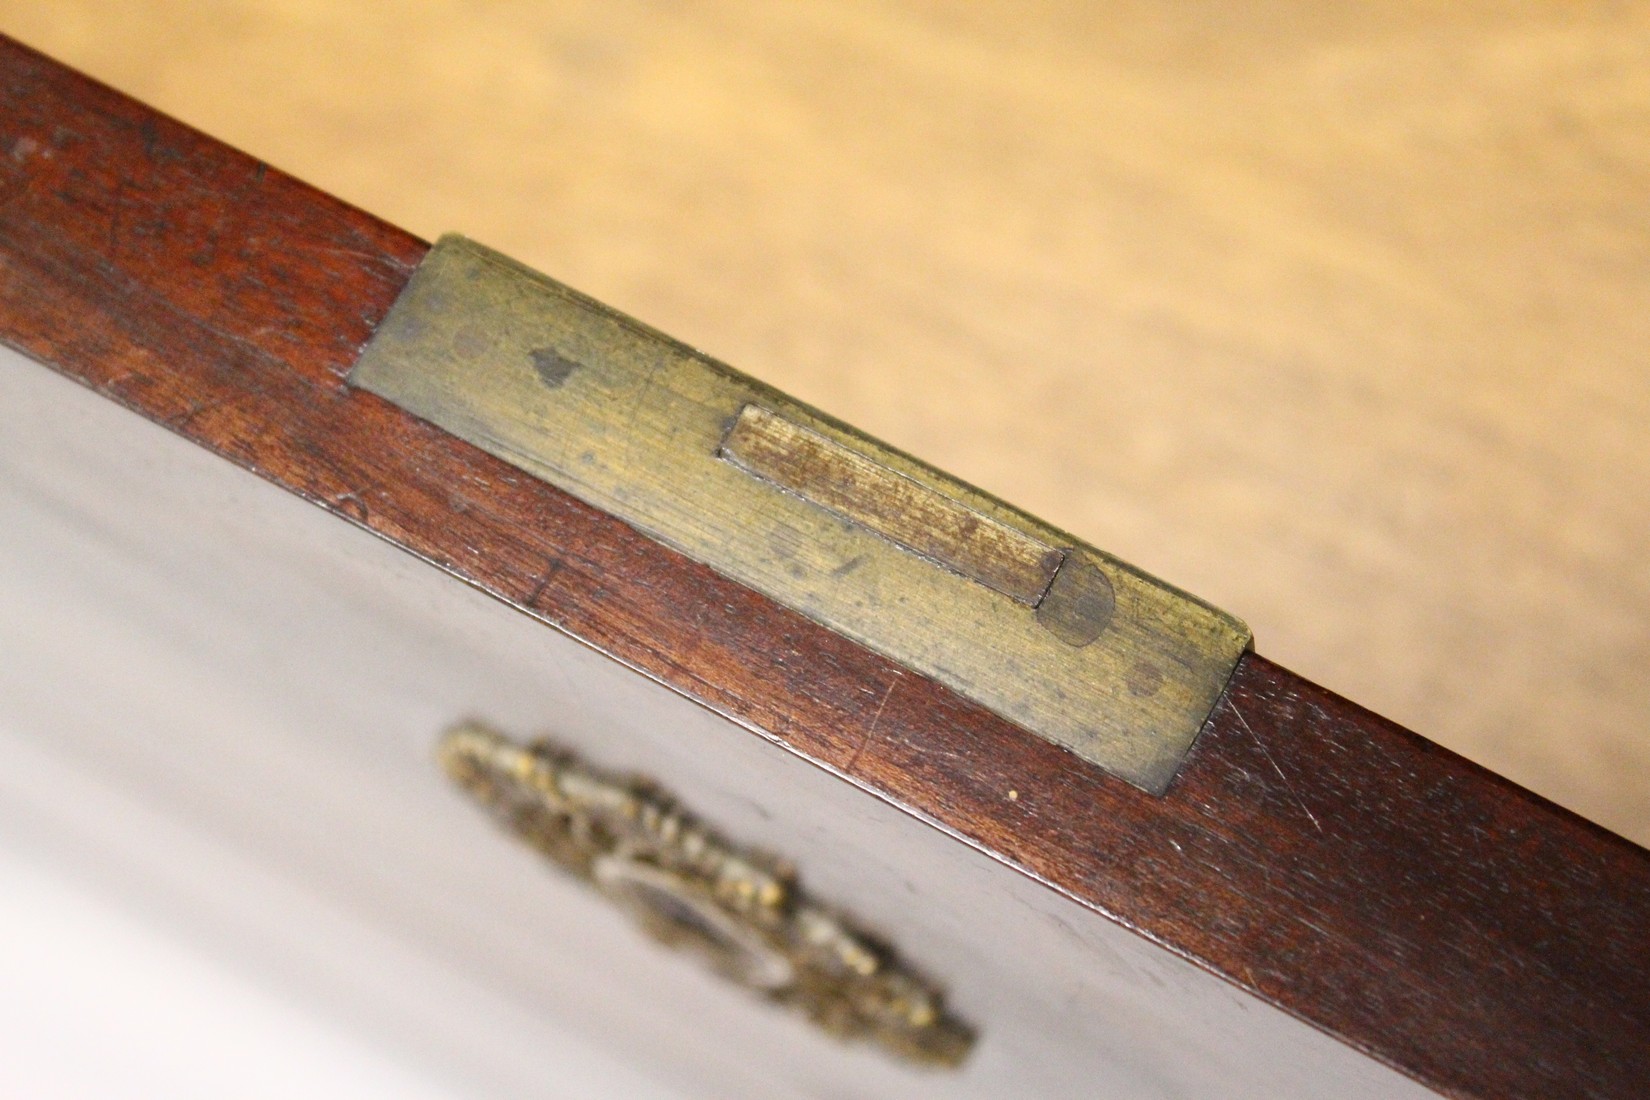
[181, 420]
[1244, 722]
[112, 385]
[117, 206]
[352, 505]
[351, 253]
[544, 580]
[871, 730]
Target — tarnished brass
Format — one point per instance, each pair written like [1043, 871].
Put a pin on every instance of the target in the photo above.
[743, 911]
[1050, 633]
[916, 516]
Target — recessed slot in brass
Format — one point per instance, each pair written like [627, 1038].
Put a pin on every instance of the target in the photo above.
[918, 517]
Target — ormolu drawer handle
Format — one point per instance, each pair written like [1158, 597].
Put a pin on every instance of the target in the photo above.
[689, 887]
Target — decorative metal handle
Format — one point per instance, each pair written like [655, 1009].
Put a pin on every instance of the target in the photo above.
[741, 910]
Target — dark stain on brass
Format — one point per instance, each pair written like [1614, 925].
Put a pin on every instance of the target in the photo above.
[552, 367]
[1079, 604]
[743, 911]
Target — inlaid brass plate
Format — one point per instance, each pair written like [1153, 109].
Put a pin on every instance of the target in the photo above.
[743, 911]
[1048, 632]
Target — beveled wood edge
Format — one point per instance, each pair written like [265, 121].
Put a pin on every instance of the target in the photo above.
[1394, 895]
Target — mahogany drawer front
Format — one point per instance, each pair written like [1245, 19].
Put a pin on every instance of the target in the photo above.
[257, 671]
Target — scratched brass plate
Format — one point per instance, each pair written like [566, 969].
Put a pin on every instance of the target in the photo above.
[1044, 630]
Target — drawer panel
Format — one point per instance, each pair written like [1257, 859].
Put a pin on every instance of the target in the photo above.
[254, 674]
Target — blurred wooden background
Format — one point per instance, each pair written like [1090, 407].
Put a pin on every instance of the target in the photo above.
[1337, 315]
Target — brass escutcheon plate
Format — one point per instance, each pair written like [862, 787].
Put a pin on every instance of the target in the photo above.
[1046, 631]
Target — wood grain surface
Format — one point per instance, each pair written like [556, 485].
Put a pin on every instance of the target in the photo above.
[1372, 883]
[1335, 316]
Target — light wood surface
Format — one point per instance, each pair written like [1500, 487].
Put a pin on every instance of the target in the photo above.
[1336, 317]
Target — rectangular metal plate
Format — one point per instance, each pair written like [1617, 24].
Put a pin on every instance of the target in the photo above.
[1044, 630]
